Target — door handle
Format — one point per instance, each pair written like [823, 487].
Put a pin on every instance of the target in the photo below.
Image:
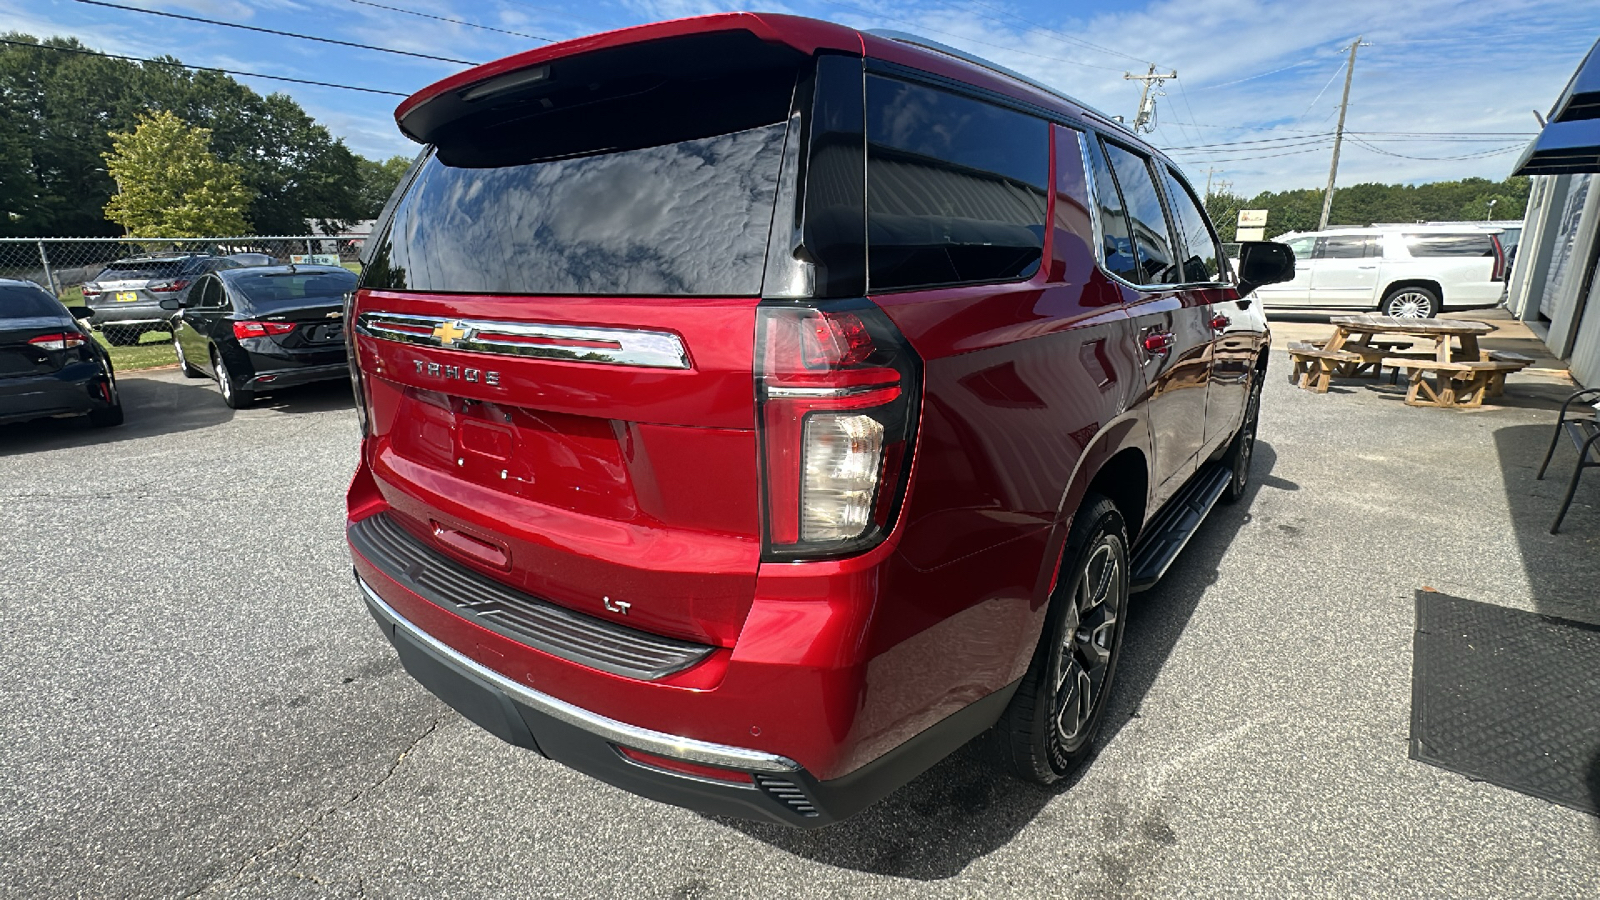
[1220, 322]
[1159, 342]
[1373, 266]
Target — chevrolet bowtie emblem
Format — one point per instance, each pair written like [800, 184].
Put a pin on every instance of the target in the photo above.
[447, 333]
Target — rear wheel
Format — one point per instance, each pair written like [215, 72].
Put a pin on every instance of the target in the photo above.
[1242, 450]
[232, 394]
[189, 371]
[1049, 728]
[1411, 303]
[110, 415]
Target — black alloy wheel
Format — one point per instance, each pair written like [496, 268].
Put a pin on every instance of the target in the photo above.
[232, 394]
[1049, 728]
[1241, 452]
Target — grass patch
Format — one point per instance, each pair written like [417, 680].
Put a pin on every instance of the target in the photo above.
[153, 350]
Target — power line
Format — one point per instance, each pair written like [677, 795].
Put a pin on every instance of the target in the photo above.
[303, 37]
[1224, 84]
[1483, 154]
[178, 65]
[412, 12]
[1319, 137]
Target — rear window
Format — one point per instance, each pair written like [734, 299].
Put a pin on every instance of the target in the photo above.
[18, 302]
[141, 270]
[283, 289]
[955, 188]
[1449, 245]
[647, 170]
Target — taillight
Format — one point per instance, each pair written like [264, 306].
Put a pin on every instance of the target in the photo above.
[169, 287]
[1499, 259]
[91, 290]
[837, 390]
[62, 341]
[249, 329]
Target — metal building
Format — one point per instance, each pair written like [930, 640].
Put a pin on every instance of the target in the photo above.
[1555, 282]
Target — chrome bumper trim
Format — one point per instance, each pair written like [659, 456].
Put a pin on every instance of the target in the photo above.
[657, 742]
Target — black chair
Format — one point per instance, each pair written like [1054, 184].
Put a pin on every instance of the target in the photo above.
[1584, 434]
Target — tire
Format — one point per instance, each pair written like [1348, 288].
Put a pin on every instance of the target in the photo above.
[232, 394]
[111, 415]
[1077, 653]
[183, 361]
[1411, 303]
[1241, 450]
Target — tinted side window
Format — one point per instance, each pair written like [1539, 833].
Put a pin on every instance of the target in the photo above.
[1342, 247]
[1116, 235]
[210, 293]
[1202, 259]
[1073, 221]
[1449, 245]
[1157, 263]
[955, 188]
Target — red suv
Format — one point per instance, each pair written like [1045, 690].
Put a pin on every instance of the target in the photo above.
[755, 410]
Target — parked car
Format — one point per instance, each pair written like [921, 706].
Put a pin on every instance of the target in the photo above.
[50, 365]
[1411, 271]
[263, 327]
[126, 296]
[757, 491]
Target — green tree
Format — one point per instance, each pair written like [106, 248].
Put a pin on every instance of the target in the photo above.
[378, 181]
[57, 110]
[172, 185]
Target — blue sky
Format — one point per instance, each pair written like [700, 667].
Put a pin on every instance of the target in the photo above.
[1261, 77]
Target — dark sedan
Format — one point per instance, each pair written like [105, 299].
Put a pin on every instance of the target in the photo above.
[49, 363]
[263, 327]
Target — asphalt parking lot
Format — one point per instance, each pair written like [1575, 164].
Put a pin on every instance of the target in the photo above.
[194, 702]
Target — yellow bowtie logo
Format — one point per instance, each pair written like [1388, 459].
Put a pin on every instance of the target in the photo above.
[447, 333]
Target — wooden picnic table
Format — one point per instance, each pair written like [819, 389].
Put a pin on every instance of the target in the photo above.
[1363, 328]
[1462, 377]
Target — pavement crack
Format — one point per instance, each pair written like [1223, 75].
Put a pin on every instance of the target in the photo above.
[232, 880]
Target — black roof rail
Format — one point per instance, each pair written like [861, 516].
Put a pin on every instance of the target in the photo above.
[918, 41]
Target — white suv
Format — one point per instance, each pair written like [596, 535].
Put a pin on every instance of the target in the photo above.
[1408, 271]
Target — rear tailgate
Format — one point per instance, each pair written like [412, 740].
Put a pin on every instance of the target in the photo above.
[618, 461]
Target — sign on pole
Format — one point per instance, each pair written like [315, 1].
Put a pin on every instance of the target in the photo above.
[1252, 225]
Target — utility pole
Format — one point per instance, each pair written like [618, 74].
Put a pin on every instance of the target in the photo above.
[1145, 120]
[1209, 170]
[1338, 134]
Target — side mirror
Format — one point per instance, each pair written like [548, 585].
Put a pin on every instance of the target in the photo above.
[80, 312]
[1264, 262]
[171, 303]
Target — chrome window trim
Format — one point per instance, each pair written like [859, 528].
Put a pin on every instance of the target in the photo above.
[632, 347]
[1084, 136]
[651, 741]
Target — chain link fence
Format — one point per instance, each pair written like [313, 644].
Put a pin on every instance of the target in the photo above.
[124, 280]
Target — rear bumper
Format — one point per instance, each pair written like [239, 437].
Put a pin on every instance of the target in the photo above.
[130, 314]
[290, 377]
[70, 391]
[775, 788]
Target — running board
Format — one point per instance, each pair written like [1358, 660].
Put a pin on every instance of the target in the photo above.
[1166, 535]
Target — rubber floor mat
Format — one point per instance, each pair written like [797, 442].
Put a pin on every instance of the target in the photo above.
[1508, 697]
